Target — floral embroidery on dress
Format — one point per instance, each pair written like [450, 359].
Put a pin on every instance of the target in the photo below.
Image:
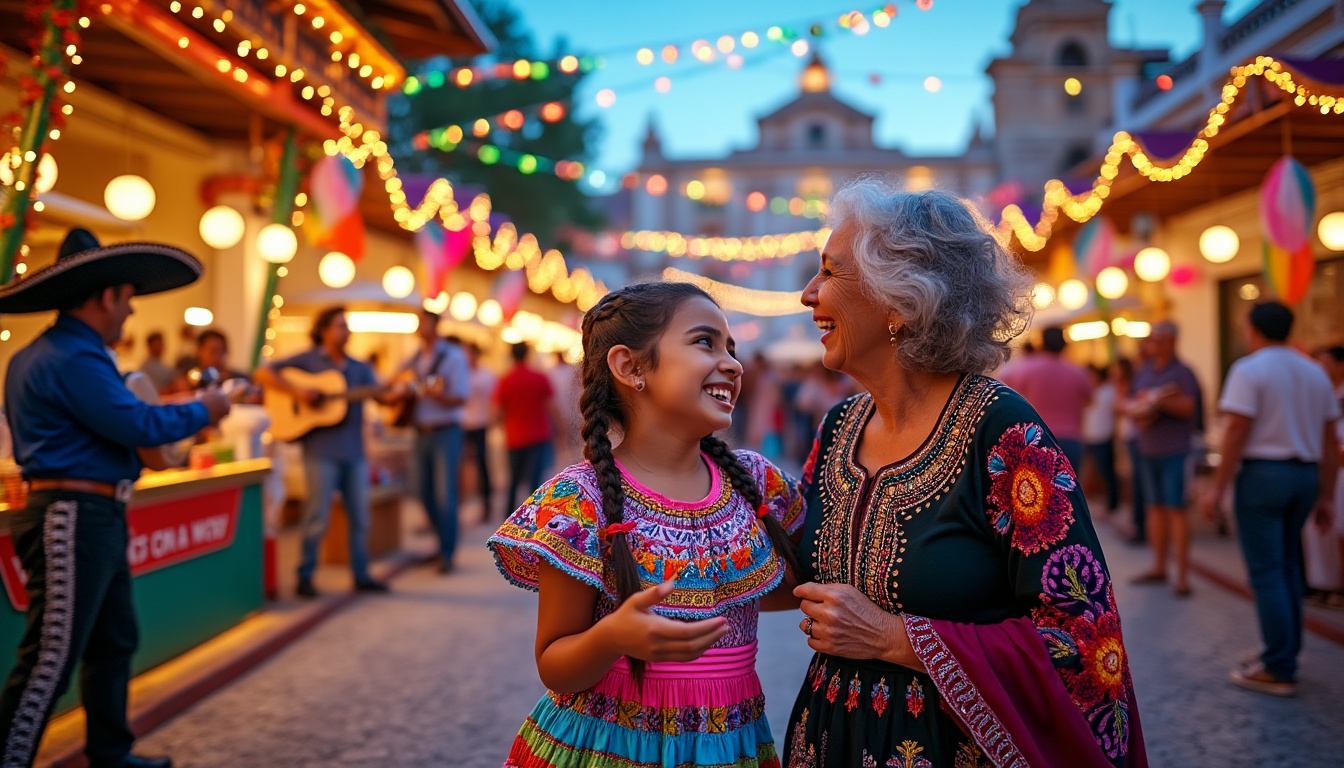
[852, 699]
[802, 754]
[909, 757]
[1079, 622]
[914, 698]
[969, 756]
[1029, 489]
[868, 760]
[881, 695]
[833, 690]
[820, 678]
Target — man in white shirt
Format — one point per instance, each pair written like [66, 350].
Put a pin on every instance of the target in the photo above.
[1280, 412]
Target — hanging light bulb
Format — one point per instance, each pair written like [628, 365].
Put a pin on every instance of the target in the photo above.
[336, 270]
[1112, 282]
[277, 243]
[129, 197]
[463, 307]
[399, 282]
[1331, 231]
[46, 174]
[1152, 264]
[222, 227]
[1219, 244]
[490, 313]
[1073, 294]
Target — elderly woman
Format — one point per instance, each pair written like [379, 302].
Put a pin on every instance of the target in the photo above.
[957, 597]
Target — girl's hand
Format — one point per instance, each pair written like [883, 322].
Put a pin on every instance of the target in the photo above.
[843, 622]
[635, 630]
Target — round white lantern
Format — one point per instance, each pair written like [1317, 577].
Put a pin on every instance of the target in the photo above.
[1112, 282]
[490, 313]
[222, 227]
[277, 243]
[1152, 264]
[1042, 295]
[1073, 294]
[129, 197]
[198, 316]
[1331, 230]
[399, 282]
[336, 270]
[463, 307]
[1219, 244]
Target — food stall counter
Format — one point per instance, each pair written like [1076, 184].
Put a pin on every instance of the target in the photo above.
[196, 560]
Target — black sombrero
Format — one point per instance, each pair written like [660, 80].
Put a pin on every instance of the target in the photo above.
[83, 266]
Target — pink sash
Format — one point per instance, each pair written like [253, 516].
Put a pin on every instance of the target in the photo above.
[716, 663]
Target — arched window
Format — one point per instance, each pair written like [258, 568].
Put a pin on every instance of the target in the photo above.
[1071, 54]
[1076, 154]
[816, 135]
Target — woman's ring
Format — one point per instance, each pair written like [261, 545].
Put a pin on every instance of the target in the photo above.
[807, 626]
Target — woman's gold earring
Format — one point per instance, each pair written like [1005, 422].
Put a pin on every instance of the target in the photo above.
[892, 329]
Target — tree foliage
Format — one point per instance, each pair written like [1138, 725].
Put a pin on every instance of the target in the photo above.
[539, 202]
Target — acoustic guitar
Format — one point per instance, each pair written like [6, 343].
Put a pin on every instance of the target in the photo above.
[292, 418]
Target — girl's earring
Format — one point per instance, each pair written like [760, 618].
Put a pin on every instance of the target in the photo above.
[639, 386]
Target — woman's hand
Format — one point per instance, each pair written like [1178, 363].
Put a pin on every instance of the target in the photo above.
[635, 630]
[845, 623]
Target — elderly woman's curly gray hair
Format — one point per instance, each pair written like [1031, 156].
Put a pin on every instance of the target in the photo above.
[933, 260]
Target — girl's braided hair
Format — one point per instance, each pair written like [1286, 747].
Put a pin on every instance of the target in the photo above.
[637, 316]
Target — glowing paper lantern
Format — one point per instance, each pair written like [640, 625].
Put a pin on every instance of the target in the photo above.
[336, 270]
[1152, 264]
[46, 174]
[1042, 295]
[1287, 208]
[1094, 247]
[399, 282]
[1112, 282]
[490, 313]
[1331, 231]
[129, 197]
[198, 316]
[222, 227]
[276, 243]
[462, 307]
[1073, 294]
[1219, 244]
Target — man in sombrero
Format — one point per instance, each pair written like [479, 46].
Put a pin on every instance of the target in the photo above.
[76, 428]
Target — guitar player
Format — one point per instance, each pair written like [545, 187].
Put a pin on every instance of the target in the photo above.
[333, 457]
[437, 418]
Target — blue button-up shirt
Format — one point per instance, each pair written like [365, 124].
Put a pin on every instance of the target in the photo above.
[344, 440]
[71, 416]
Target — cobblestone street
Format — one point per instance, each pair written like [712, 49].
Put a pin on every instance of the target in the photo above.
[440, 673]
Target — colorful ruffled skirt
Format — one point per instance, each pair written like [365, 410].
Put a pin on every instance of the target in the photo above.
[695, 714]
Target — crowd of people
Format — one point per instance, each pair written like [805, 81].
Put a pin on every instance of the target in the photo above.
[1280, 446]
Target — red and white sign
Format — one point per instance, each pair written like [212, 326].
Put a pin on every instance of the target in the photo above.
[183, 529]
[160, 535]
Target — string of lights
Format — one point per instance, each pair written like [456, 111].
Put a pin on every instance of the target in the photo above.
[707, 49]
[1084, 206]
[726, 248]
[733, 298]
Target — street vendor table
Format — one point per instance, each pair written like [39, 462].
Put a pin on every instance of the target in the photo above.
[196, 560]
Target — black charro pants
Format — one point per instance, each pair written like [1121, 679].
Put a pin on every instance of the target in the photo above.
[73, 548]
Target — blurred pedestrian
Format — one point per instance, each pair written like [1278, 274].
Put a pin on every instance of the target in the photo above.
[564, 379]
[1059, 391]
[442, 371]
[159, 372]
[476, 421]
[1326, 571]
[525, 404]
[1099, 432]
[1166, 406]
[1122, 378]
[1008, 371]
[1279, 439]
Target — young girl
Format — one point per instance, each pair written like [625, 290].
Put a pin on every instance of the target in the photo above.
[652, 558]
